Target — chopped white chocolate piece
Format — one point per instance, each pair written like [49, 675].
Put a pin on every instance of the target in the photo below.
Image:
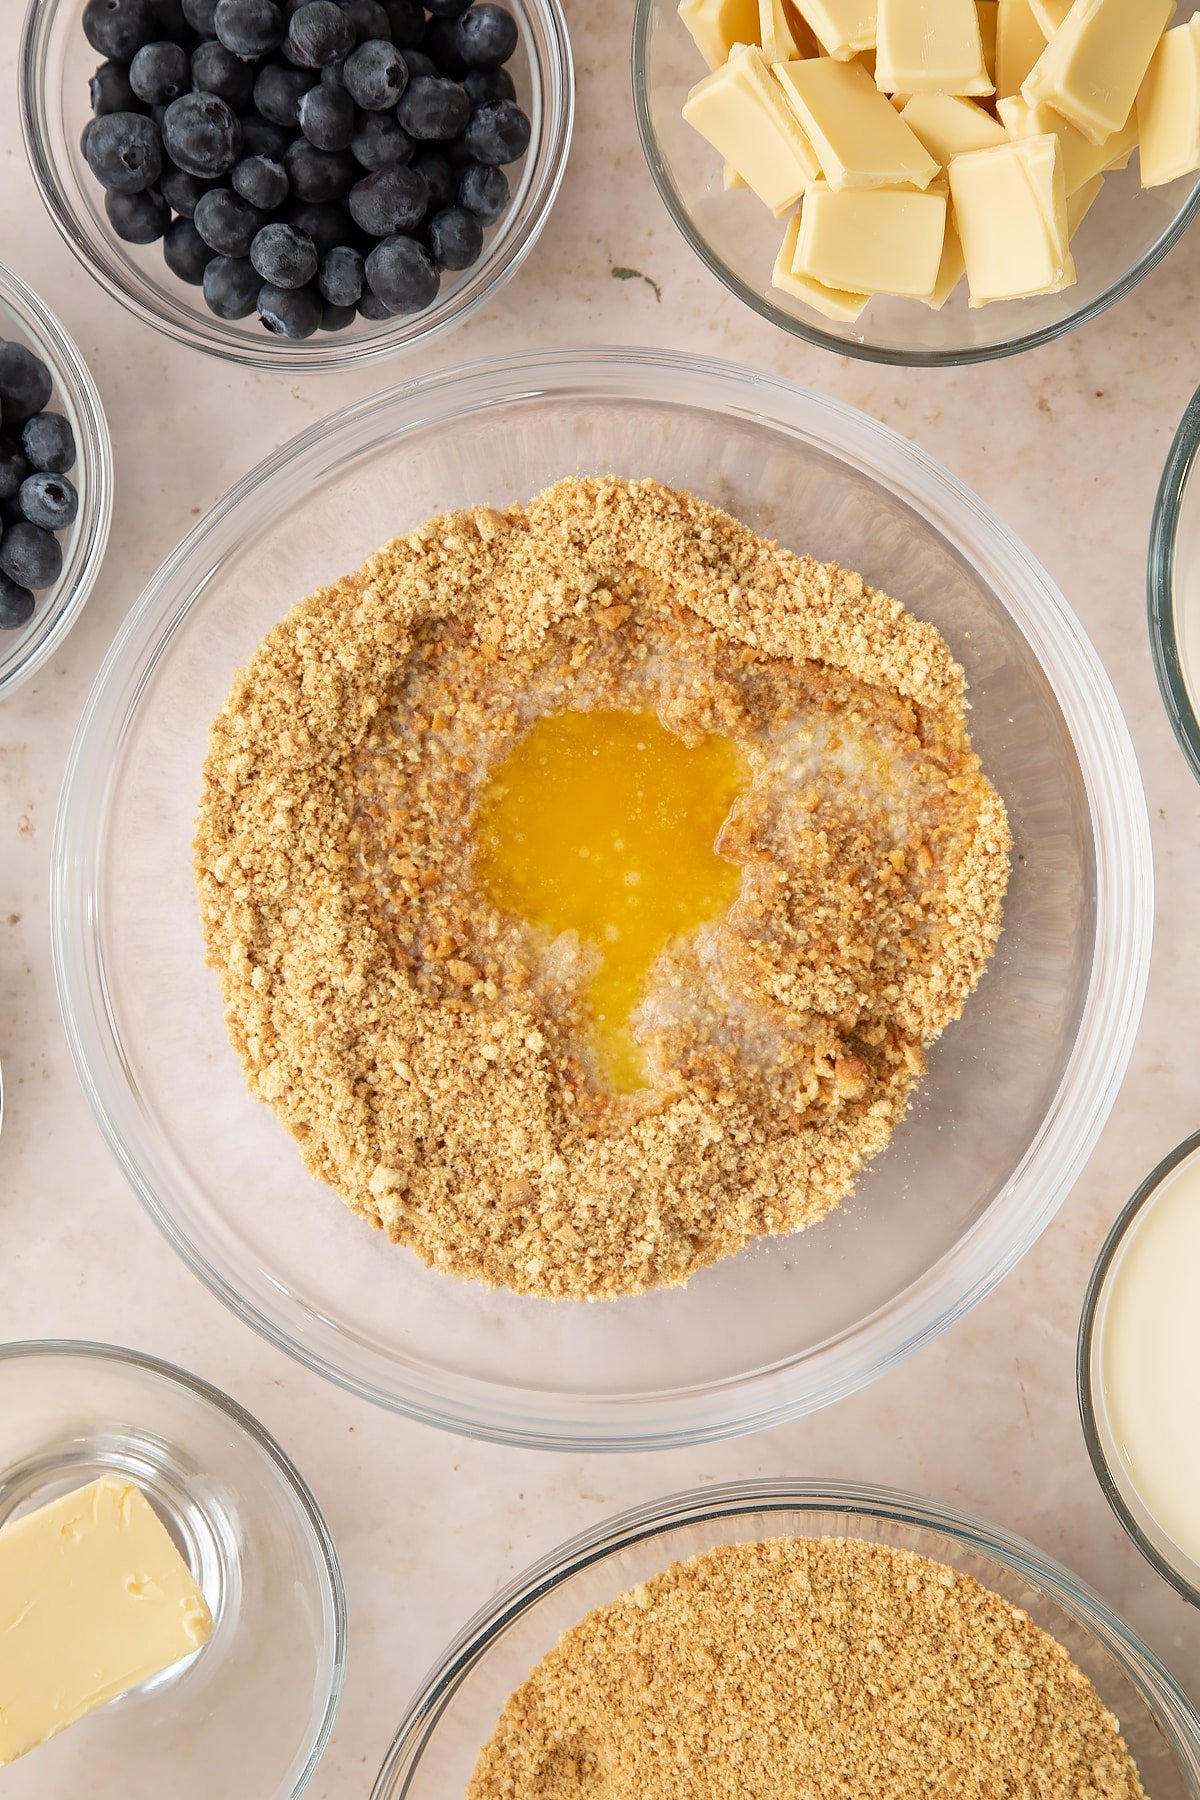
[1050, 14]
[843, 28]
[948, 125]
[740, 108]
[872, 240]
[859, 138]
[1168, 107]
[783, 33]
[1079, 204]
[1092, 68]
[717, 25]
[951, 269]
[930, 47]
[988, 28]
[1081, 159]
[835, 303]
[1010, 207]
[730, 179]
[1020, 40]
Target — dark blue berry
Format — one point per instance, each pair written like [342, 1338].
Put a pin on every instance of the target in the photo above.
[441, 43]
[318, 33]
[202, 134]
[260, 180]
[327, 117]
[283, 256]
[372, 307]
[336, 318]
[290, 312]
[25, 382]
[263, 137]
[420, 64]
[110, 90]
[379, 141]
[119, 28]
[125, 152]
[391, 200]
[402, 274]
[278, 92]
[30, 556]
[376, 75]
[159, 73]
[368, 18]
[227, 223]
[216, 70]
[49, 443]
[319, 174]
[455, 237]
[180, 190]
[201, 16]
[185, 252]
[440, 178]
[489, 84]
[483, 190]
[138, 218]
[17, 605]
[49, 501]
[331, 76]
[326, 225]
[485, 36]
[498, 132]
[13, 468]
[231, 287]
[407, 20]
[434, 108]
[340, 276]
[446, 9]
[250, 28]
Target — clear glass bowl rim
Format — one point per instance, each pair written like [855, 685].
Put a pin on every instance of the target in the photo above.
[730, 1500]
[812, 333]
[1123, 927]
[91, 528]
[324, 351]
[1160, 583]
[1125, 1219]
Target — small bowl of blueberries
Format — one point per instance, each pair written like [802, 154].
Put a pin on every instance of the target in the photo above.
[56, 482]
[298, 184]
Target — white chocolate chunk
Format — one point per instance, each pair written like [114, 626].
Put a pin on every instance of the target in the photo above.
[1081, 159]
[1092, 68]
[835, 303]
[1020, 40]
[948, 125]
[1168, 107]
[1050, 14]
[730, 179]
[717, 25]
[930, 47]
[1010, 207]
[872, 240]
[1079, 204]
[843, 28]
[951, 270]
[783, 33]
[859, 138]
[988, 11]
[740, 108]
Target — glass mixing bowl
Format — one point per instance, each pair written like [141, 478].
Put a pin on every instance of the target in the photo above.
[1173, 586]
[1015, 1094]
[29, 321]
[56, 62]
[1126, 234]
[456, 1710]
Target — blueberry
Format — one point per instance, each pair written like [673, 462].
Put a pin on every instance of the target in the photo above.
[368, 19]
[16, 605]
[379, 141]
[440, 42]
[138, 218]
[489, 84]
[434, 108]
[420, 64]
[318, 33]
[216, 70]
[25, 383]
[440, 178]
[336, 318]
[49, 501]
[486, 36]
[319, 174]
[446, 9]
[180, 190]
[331, 76]
[13, 468]
[326, 225]
[202, 134]
[171, 22]
[327, 117]
[227, 223]
[278, 92]
[30, 556]
[125, 152]
[340, 276]
[402, 274]
[455, 237]
[372, 307]
[185, 252]
[231, 287]
[483, 190]
[284, 257]
[498, 132]
[250, 28]
[110, 90]
[159, 73]
[49, 443]
[376, 75]
[407, 20]
[119, 28]
[261, 181]
[201, 16]
[290, 312]
[262, 137]
[394, 199]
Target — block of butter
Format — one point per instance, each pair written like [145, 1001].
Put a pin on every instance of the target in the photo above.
[94, 1599]
[930, 47]
[835, 303]
[1020, 40]
[717, 25]
[859, 138]
[1093, 66]
[1010, 207]
[782, 33]
[1168, 107]
[1081, 159]
[843, 28]
[947, 125]
[872, 240]
[740, 108]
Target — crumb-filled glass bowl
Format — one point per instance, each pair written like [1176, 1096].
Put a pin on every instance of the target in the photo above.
[26, 319]
[456, 1710]
[1173, 586]
[56, 63]
[1015, 1094]
[1126, 234]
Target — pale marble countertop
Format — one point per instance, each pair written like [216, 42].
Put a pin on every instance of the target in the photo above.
[1067, 445]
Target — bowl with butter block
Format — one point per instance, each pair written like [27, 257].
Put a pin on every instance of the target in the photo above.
[923, 183]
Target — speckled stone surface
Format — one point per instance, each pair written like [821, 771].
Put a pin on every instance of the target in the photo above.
[1066, 444]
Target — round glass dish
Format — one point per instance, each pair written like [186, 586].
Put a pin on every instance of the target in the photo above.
[1126, 234]
[1104, 1441]
[1016, 1092]
[26, 319]
[1173, 586]
[251, 1712]
[56, 62]
[456, 1710]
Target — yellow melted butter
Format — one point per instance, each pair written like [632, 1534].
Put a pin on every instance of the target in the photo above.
[606, 824]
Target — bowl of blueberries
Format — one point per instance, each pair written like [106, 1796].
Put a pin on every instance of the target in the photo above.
[56, 482]
[298, 184]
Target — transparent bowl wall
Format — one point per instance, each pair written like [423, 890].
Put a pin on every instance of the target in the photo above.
[456, 1711]
[24, 318]
[1126, 234]
[1173, 586]
[56, 62]
[1015, 1093]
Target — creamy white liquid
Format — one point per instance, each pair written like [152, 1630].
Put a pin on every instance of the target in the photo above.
[1149, 1359]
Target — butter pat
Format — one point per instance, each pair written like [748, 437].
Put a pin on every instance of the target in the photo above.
[930, 47]
[782, 33]
[872, 240]
[1168, 107]
[740, 108]
[835, 303]
[948, 125]
[843, 28]
[94, 1599]
[1020, 40]
[1092, 68]
[859, 138]
[717, 25]
[1081, 159]
[1010, 207]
